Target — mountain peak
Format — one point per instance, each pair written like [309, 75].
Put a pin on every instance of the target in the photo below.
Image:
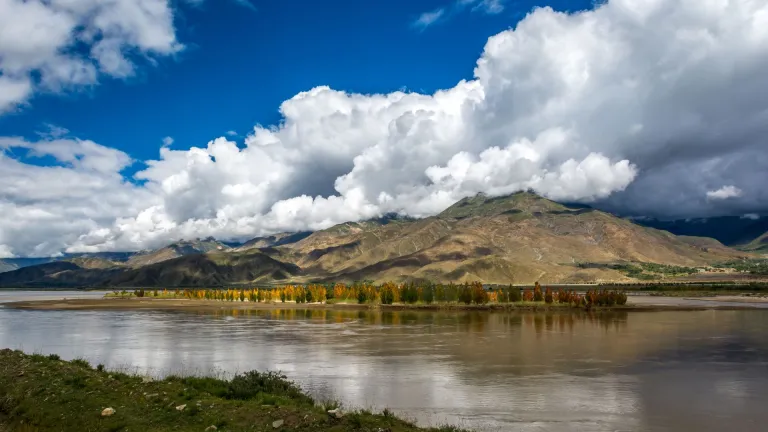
[485, 205]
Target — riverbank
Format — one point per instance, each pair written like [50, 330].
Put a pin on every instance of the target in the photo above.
[43, 393]
[636, 303]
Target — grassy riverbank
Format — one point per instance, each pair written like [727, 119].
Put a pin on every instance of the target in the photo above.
[43, 393]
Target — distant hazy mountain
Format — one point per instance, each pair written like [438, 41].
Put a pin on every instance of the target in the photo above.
[730, 230]
[197, 270]
[759, 244]
[8, 264]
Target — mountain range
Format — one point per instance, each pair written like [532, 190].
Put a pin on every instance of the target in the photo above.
[519, 238]
[735, 231]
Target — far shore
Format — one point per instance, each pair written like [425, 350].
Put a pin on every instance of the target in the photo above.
[635, 304]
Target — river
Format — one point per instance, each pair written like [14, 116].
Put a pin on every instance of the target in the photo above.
[617, 371]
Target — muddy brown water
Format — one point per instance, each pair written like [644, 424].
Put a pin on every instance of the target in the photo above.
[518, 371]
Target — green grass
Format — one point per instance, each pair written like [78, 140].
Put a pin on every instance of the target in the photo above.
[43, 393]
[757, 266]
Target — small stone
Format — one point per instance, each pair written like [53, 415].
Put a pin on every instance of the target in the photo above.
[181, 407]
[277, 423]
[147, 379]
[108, 412]
[211, 428]
[336, 413]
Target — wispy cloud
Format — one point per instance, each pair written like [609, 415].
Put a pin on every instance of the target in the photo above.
[491, 7]
[52, 131]
[426, 19]
[244, 3]
[167, 141]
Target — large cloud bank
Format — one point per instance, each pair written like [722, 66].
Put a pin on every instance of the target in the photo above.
[640, 106]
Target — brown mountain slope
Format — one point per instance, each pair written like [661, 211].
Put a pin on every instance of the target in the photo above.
[94, 263]
[278, 239]
[176, 250]
[520, 238]
[200, 270]
[759, 244]
[206, 270]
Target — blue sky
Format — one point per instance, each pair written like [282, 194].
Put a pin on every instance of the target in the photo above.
[240, 64]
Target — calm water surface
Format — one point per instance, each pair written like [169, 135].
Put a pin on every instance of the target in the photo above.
[644, 371]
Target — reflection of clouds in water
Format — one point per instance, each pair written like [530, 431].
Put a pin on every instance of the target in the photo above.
[484, 371]
[706, 397]
[730, 388]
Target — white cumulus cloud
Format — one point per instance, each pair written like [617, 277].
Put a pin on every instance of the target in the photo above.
[725, 192]
[643, 107]
[56, 45]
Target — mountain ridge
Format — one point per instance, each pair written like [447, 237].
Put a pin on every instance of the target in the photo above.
[517, 238]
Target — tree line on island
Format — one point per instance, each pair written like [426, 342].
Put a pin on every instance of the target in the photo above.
[390, 293]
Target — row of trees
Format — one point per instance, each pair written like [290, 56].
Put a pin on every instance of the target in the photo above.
[406, 293]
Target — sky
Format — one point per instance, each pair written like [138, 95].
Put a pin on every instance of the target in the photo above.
[128, 124]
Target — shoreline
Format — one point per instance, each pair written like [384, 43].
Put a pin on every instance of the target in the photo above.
[46, 393]
[636, 304]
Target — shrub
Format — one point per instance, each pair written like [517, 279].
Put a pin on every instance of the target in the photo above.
[76, 380]
[479, 294]
[548, 297]
[410, 294]
[428, 294]
[621, 299]
[527, 295]
[362, 296]
[605, 298]
[82, 363]
[537, 294]
[465, 294]
[514, 294]
[387, 294]
[252, 384]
